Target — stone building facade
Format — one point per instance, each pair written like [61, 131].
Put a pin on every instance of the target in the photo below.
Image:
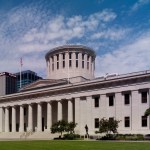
[80, 97]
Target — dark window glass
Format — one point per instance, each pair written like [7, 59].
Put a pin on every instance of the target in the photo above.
[76, 63]
[88, 58]
[70, 63]
[76, 55]
[82, 56]
[63, 64]
[57, 57]
[127, 121]
[57, 65]
[126, 99]
[87, 65]
[82, 64]
[111, 100]
[144, 121]
[52, 66]
[52, 59]
[63, 55]
[96, 122]
[70, 55]
[144, 97]
[96, 101]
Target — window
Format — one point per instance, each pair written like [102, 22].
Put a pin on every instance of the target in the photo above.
[76, 63]
[82, 64]
[144, 121]
[127, 121]
[96, 101]
[76, 55]
[57, 57]
[144, 96]
[70, 55]
[70, 63]
[96, 122]
[57, 65]
[63, 64]
[111, 100]
[126, 99]
[82, 56]
[88, 65]
[63, 55]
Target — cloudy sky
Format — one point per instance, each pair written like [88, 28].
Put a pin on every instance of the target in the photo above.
[119, 32]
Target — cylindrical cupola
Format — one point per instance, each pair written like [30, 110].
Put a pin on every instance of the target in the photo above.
[70, 61]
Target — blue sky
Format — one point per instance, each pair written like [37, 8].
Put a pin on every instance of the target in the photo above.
[119, 32]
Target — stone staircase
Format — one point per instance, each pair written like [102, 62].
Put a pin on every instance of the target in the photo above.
[27, 136]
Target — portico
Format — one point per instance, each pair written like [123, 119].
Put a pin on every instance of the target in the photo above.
[36, 117]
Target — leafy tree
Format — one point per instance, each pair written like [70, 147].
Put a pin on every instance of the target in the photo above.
[59, 127]
[63, 126]
[108, 126]
[147, 112]
[70, 127]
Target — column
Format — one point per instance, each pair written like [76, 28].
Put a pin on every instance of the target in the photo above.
[59, 114]
[21, 123]
[70, 111]
[14, 119]
[39, 117]
[49, 115]
[30, 117]
[1, 119]
[77, 114]
[7, 119]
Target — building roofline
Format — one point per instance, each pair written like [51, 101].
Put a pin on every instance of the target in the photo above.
[71, 46]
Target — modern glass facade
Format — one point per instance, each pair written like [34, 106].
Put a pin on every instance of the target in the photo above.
[27, 77]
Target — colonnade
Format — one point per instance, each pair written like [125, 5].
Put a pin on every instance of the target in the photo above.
[35, 112]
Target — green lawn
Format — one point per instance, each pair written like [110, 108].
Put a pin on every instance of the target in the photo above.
[73, 145]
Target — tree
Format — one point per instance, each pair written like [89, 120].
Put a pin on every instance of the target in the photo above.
[108, 126]
[147, 112]
[70, 127]
[63, 126]
[59, 127]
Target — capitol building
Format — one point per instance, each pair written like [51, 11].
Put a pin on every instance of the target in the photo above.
[72, 93]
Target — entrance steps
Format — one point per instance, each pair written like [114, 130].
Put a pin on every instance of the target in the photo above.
[10, 135]
[27, 135]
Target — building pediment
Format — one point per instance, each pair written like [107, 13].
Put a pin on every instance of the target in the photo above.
[43, 83]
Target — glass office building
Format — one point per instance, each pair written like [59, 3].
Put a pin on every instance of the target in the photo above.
[27, 77]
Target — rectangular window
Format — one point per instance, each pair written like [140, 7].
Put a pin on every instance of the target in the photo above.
[82, 64]
[52, 66]
[144, 121]
[127, 121]
[96, 122]
[76, 63]
[88, 58]
[57, 65]
[70, 63]
[63, 64]
[76, 55]
[96, 101]
[63, 55]
[52, 59]
[57, 57]
[144, 97]
[126, 99]
[82, 56]
[70, 55]
[111, 100]
[88, 65]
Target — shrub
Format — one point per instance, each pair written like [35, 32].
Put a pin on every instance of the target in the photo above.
[71, 136]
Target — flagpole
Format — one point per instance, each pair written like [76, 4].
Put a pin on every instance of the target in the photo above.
[20, 72]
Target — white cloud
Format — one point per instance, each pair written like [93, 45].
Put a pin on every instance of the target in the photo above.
[29, 33]
[128, 58]
[139, 4]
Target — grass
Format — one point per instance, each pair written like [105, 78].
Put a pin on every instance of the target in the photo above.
[73, 145]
